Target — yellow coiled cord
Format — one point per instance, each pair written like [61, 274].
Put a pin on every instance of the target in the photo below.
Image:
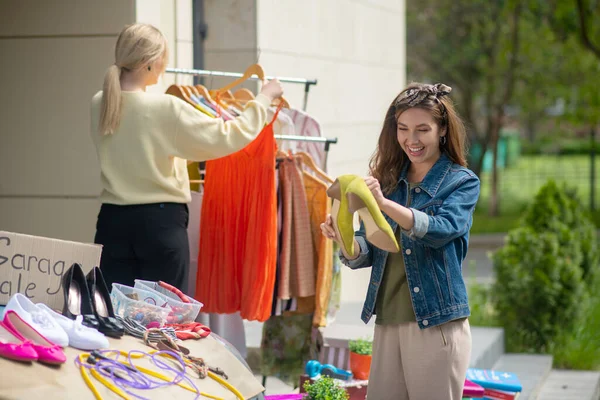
[88, 381]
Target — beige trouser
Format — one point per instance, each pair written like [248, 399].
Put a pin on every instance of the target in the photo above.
[415, 364]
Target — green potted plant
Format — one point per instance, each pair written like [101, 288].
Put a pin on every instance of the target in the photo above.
[324, 388]
[361, 351]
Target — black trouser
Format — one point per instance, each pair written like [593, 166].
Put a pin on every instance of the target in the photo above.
[145, 241]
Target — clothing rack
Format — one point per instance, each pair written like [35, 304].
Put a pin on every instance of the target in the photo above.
[318, 139]
[307, 84]
[200, 72]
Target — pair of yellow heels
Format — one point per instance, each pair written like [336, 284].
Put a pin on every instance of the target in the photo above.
[351, 194]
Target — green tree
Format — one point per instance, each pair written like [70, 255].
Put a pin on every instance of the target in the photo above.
[576, 24]
[463, 43]
[573, 18]
[507, 60]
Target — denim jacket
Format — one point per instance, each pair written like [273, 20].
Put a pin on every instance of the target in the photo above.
[434, 248]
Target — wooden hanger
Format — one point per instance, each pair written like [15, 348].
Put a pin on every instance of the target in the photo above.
[254, 69]
[309, 162]
[282, 154]
[226, 98]
[193, 90]
[204, 93]
[187, 90]
[178, 91]
[229, 98]
[284, 103]
[244, 95]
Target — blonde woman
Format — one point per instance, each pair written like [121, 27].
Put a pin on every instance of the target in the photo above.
[143, 141]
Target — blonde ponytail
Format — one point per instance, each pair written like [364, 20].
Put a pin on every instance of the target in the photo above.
[138, 45]
[110, 109]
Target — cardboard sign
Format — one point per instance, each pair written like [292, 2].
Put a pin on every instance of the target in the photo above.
[34, 266]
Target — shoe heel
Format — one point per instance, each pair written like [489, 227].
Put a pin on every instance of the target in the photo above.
[335, 191]
[355, 203]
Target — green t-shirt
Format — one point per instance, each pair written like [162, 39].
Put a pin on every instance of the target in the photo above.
[393, 305]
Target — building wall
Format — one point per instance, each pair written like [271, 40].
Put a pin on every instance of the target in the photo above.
[231, 43]
[54, 55]
[354, 48]
[55, 52]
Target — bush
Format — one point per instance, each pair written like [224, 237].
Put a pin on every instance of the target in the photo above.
[537, 290]
[541, 271]
[325, 388]
[361, 346]
[559, 210]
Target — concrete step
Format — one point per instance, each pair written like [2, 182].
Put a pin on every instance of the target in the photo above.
[488, 346]
[532, 370]
[488, 343]
[571, 385]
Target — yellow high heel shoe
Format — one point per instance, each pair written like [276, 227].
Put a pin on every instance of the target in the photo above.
[379, 232]
[342, 218]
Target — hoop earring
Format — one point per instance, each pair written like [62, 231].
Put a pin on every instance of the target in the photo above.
[443, 140]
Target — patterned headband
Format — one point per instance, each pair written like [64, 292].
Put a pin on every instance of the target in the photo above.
[416, 96]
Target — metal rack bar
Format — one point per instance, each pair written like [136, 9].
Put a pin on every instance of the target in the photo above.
[201, 72]
[307, 138]
[306, 82]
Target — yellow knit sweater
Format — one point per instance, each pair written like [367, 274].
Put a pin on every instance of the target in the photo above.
[144, 161]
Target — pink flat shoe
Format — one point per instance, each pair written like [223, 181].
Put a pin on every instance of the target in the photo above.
[12, 347]
[47, 351]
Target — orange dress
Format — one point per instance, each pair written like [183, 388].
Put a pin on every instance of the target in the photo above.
[238, 236]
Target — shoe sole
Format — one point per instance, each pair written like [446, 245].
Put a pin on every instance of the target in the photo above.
[376, 236]
[51, 362]
[19, 359]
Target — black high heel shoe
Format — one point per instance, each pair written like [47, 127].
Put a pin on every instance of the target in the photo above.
[77, 297]
[109, 325]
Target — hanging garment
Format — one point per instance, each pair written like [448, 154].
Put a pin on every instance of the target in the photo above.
[305, 125]
[297, 269]
[276, 307]
[194, 240]
[336, 286]
[286, 347]
[319, 207]
[283, 125]
[238, 234]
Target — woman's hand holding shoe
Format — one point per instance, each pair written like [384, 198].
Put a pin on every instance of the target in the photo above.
[375, 188]
[328, 230]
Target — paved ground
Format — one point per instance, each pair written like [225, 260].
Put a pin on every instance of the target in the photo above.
[571, 385]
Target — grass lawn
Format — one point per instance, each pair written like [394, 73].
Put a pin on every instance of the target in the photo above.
[519, 183]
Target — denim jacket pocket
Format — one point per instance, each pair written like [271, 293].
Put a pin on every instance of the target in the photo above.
[430, 207]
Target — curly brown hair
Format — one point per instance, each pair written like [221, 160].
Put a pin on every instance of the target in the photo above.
[389, 159]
